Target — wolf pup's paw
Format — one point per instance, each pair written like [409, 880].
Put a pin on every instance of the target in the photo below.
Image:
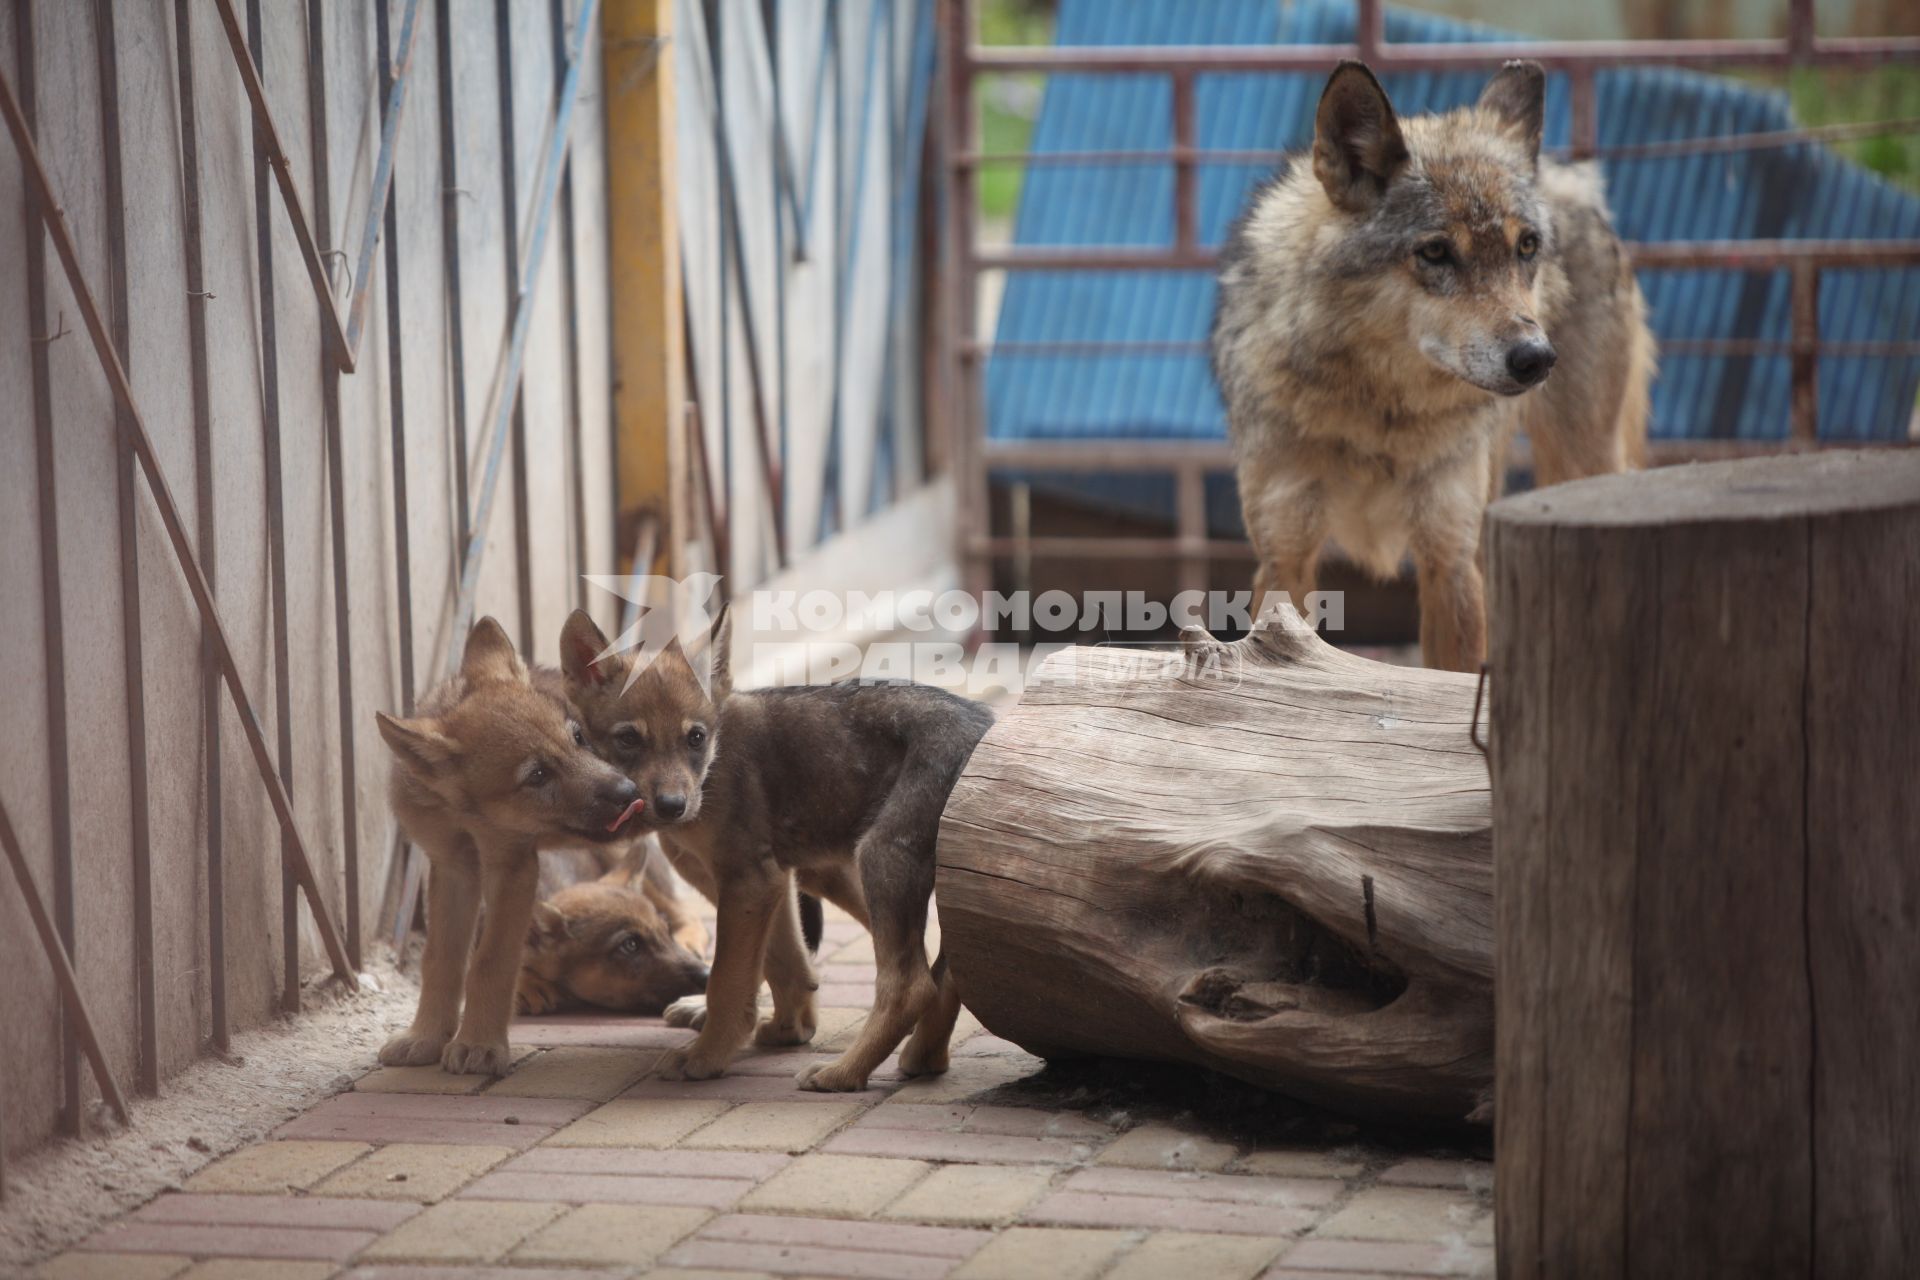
[774, 1033]
[468, 1058]
[920, 1060]
[412, 1049]
[535, 996]
[687, 1063]
[830, 1077]
[687, 1011]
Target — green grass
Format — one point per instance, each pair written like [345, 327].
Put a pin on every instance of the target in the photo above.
[1007, 103]
[1883, 93]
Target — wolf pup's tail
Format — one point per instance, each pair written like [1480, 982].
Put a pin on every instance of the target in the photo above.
[813, 923]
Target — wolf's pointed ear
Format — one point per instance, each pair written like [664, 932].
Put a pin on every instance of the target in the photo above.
[549, 924]
[1357, 146]
[1517, 96]
[489, 655]
[581, 643]
[720, 652]
[418, 743]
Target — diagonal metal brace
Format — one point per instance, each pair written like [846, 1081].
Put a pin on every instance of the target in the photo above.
[57, 957]
[502, 392]
[290, 194]
[382, 179]
[134, 427]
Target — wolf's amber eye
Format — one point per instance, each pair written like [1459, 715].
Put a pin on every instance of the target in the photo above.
[628, 737]
[579, 738]
[1528, 245]
[696, 737]
[1435, 251]
[629, 944]
[536, 776]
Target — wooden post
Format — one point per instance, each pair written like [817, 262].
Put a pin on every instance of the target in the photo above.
[1705, 747]
[649, 360]
[1269, 858]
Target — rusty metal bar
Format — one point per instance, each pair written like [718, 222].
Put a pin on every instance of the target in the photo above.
[1742, 255]
[1370, 29]
[55, 223]
[1098, 547]
[336, 492]
[392, 92]
[1584, 124]
[1668, 149]
[1186, 212]
[53, 627]
[506, 382]
[719, 512]
[1770, 255]
[510, 201]
[960, 136]
[733, 275]
[197, 298]
[1806, 352]
[132, 649]
[1317, 58]
[1800, 29]
[504, 396]
[76, 1005]
[283, 174]
[1190, 528]
[570, 318]
[1668, 347]
[393, 101]
[450, 194]
[276, 524]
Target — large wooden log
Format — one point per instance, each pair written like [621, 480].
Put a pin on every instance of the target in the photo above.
[1706, 762]
[1274, 862]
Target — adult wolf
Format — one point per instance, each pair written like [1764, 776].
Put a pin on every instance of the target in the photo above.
[1390, 309]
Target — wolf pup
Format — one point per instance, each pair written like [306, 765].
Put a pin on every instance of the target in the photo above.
[617, 939]
[488, 768]
[1386, 313]
[836, 787]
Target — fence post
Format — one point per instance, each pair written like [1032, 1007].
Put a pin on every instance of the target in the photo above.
[649, 331]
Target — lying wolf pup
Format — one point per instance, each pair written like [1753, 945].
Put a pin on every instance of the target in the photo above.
[487, 769]
[605, 938]
[837, 787]
[1389, 310]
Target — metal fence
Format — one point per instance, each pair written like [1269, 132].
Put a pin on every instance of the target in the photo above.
[224, 273]
[964, 353]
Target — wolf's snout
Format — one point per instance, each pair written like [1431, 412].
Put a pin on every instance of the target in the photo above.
[671, 807]
[1529, 361]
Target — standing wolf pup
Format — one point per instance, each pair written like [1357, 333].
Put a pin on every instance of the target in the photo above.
[838, 787]
[1385, 312]
[488, 768]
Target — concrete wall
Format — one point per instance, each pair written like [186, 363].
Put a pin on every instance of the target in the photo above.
[86, 642]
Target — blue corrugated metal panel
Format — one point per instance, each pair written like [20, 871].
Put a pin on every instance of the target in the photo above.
[1797, 192]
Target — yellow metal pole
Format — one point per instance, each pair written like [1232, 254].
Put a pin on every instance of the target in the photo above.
[649, 361]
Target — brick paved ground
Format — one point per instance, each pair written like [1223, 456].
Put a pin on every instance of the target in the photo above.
[580, 1164]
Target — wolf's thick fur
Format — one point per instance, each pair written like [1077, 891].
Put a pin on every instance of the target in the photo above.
[610, 936]
[1388, 309]
[837, 787]
[488, 768]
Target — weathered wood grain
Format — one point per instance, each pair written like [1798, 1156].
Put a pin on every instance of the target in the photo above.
[1275, 863]
[1704, 748]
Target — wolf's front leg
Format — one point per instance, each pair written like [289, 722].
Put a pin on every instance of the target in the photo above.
[1287, 525]
[1446, 543]
[790, 974]
[748, 901]
[509, 880]
[453, 901]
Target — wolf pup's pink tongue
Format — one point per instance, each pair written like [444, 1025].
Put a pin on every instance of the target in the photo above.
[626, 813]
